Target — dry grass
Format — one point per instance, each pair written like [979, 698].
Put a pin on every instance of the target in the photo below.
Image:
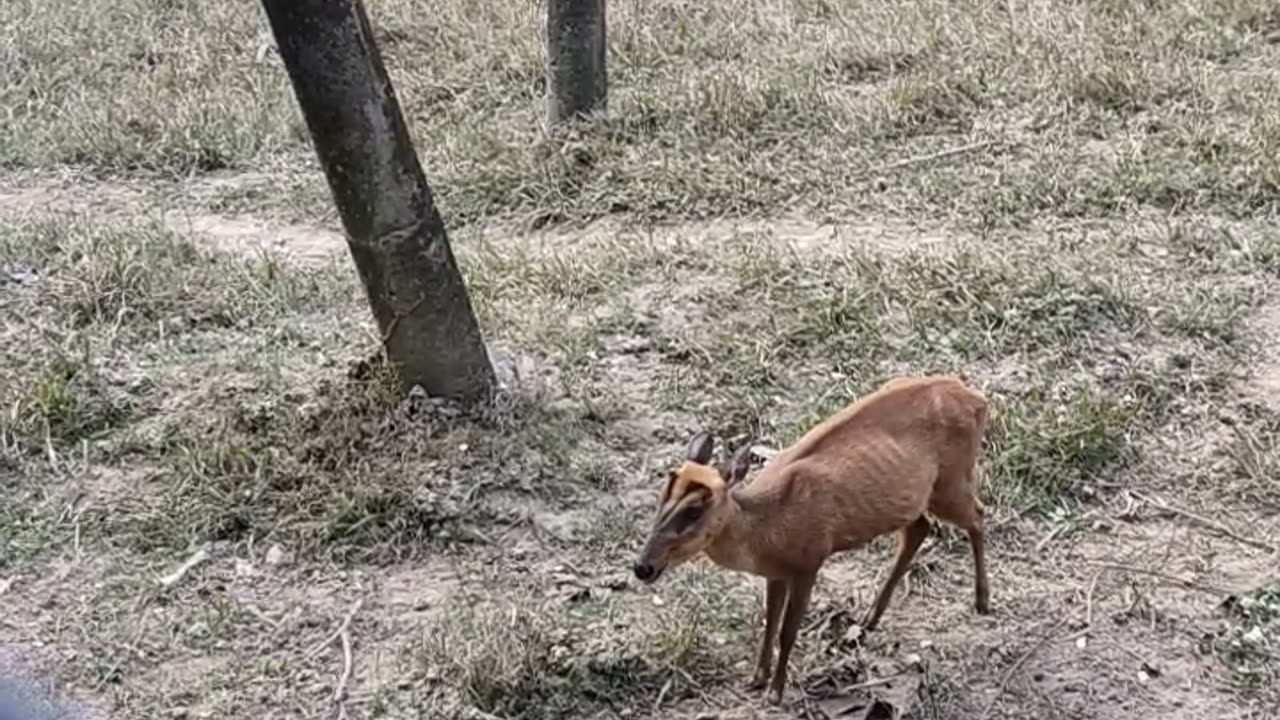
[1091, 108]
[1101, 258]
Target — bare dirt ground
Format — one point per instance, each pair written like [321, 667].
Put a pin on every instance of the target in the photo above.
[215, 506]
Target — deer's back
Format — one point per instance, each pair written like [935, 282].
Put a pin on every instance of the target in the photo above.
[871, 468]
[937, 415]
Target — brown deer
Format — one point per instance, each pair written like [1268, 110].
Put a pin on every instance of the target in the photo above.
[878, 466]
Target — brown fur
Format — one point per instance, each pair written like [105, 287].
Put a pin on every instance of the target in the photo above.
[878, 466]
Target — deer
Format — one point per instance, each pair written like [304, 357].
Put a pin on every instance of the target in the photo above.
[883, 464]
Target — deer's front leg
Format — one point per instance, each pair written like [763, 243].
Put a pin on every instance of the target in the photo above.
[775, 600]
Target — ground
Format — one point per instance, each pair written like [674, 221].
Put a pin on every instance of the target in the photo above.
[215, 504]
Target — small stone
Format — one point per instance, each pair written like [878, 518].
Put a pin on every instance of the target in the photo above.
[276, 556]
[244, 568]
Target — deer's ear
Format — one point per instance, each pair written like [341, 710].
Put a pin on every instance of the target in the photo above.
[736, 466]
[700, 448]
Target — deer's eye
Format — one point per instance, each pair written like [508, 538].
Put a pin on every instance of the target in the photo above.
[689, 515]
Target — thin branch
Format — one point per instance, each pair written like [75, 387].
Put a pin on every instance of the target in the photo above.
[1017, 665]
[340, 692]
[174, 577]
[1190, 584]
[940, 155]
[1206, 522]
[1088, 598]
[874, 682]
[1051, 536]
[337, 634]
[343, 634]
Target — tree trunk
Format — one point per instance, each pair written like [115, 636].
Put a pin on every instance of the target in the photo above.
[577, 81]
[396, 235]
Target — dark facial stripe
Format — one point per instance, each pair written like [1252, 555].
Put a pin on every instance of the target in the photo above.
[666, 489]
[698, 494]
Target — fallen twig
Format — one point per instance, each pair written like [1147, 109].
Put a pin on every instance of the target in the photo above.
[941, 154]
[196, 558]
[662, 695]
[343, 633]
[1088, 599]
[49, 451]
[337, 634]
[1206, 522]
[697, 687]
[1190, 584]
[1017, 665]
[340, 692]
[874, 682]
[1051, 536]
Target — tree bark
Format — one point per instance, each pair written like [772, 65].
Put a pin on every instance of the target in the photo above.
[577, 81]
[394, 231]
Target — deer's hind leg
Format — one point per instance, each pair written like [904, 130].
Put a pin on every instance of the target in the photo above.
[958, 504]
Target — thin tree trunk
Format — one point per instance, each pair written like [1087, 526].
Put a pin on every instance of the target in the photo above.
[396, 235]
[577, 81]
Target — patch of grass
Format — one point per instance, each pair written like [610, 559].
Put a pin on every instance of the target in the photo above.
[348, 470]
[65, 400]
[1246, 640]
[1255, 461]
[1045, 449]
[173, 87]
[854, 311]
[91, 293]
[527, 660]
[980, 304]
[20, 530]
[748, 334]
[144, 275]
[1095, 106]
